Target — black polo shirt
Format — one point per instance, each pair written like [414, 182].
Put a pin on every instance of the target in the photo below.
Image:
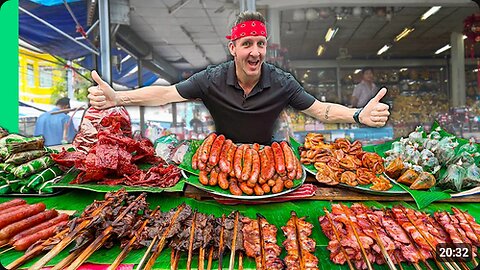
[245, 119]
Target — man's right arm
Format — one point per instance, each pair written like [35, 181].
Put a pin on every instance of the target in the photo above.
[102, 96]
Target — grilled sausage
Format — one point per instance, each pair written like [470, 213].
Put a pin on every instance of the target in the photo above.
[237, 161]
[256, 147]
[288, 184]
[270, 162]
[215, 150]
[213, 181]
[258, 190]
[279, 158]
[234, 189]
[245, 188]
[230, 155]
[206, 147]
[299, 168]
[278, 187]
[266, 188]
[52, 222]
[223, 162]
[12, 217]
[14, 228]
[13, 208]
[255, 167]
[247, 164]
[203, 178]
[25, 242]
[288, 154]
[11, 203]
[222, 180]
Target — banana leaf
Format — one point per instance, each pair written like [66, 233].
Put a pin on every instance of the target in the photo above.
[15, 145]
[276, 214]
[33, 166]
[23, 157]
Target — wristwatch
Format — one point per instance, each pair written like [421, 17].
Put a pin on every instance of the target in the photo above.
[356, 116]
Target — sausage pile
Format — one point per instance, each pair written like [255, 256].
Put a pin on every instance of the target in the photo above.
[343, 162]
[22, 224]
[246, 169]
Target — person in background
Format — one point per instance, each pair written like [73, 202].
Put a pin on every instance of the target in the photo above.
[56, 127]
[246, 95]
[365, 90]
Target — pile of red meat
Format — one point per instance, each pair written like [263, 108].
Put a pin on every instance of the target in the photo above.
[112, 154]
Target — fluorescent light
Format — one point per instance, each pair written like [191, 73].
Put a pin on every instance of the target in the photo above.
[320, 50]
[330, 33]
[464, 37]
[383, 49]
[404, 33]
[444, 48]
[430, 12]
[357, 71]
[403, 69]
[475, 70]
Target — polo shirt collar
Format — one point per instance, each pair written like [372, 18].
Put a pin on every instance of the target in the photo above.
[264, 82]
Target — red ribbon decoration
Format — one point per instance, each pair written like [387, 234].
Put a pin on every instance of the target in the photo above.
[248, 28]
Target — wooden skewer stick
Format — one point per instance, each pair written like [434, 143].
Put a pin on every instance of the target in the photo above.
[364, 253]
[172, 259]
[450, 266]
[231, 264]
[129, 246]
[385, 254]
[398, 261]
[297, 239]
[66, 262]
[176, 259]
[163, 239]
[191, 240]
[35, 251]
[262, 246]
[104, 236]
[4, 245]
[201, 258]
[71, 236]
[8, 249]
[147, 252]
[221, 244]
[210, 258]
[337, 236]
[240, 261]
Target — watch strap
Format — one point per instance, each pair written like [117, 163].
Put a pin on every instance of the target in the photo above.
[356, 116]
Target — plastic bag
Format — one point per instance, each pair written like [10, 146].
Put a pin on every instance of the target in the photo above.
[453, 178]
[417, 135]
[165, 146]
[94, 120]
[472, 178]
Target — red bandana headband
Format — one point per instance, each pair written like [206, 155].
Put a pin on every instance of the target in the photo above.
[248, 28]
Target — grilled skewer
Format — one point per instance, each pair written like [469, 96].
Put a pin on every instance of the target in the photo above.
[364, 253]
[67, 260]
[262, 246]
[128, 247]
[327, 214]
[210, 258]
[201, 258]
[190, 243]
[231, 264]
[100, 240]
[297, 239]
[221, 244]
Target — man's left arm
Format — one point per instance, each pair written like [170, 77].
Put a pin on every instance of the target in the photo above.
[374, 114]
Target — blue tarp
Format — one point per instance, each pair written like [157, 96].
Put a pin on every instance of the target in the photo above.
[43, 37]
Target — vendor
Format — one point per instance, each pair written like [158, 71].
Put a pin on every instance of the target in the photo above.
[244, 96]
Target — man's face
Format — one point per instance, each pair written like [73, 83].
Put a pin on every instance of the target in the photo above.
[249, 54]
[368, 75]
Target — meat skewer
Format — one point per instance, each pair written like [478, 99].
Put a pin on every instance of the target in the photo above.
[463, 240]
[240, 261]
[364, 254]
[201, 258]
[262, 247]
[327, 214]
[175, 259]
[129, 246]
[210, 258]
[161, 242]
[459, 212]
[97, 243]
[6, 250]
[297, 238]
[234, 243]
[190, 243]
[221, 245]
[147, 252]
[451, 266]
[67, 261]
[71, 236]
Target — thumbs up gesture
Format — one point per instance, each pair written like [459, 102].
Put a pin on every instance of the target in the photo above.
[375, 114]
[101, 96]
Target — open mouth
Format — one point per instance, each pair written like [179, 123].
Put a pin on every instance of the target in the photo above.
[253, 64]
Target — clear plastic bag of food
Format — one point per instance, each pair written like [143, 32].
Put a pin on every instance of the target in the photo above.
[472, 177]
[165, 146]
[417, 135]
[453, 178]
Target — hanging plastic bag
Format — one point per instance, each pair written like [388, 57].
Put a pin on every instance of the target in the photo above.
[453, 178]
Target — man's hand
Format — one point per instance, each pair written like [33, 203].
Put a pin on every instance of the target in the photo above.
[375, 114]
[101, 96]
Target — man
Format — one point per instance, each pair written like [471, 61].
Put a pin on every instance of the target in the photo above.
[365, 90]
[244, 96]
[56, 128]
